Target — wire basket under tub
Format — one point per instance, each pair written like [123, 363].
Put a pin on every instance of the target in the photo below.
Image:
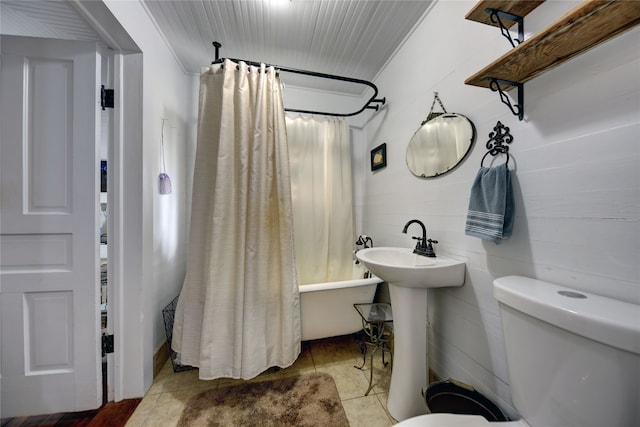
[168, 313]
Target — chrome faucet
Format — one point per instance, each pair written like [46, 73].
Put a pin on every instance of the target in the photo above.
[424, 246]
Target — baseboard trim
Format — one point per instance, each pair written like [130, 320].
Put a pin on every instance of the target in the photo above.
[433, 376]
[160, 358]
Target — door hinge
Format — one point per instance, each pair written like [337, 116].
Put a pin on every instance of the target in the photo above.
[106, 97]
[107, 344]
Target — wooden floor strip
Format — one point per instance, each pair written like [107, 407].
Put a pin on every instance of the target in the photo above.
[115, 414]
[110, 415]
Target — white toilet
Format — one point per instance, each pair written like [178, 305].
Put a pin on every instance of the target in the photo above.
[573, 359]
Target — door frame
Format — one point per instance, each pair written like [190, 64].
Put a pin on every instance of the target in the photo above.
[125, 225]
[125, 367]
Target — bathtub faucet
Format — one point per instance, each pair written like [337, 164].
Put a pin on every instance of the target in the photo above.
[424, 246]
[363, 240]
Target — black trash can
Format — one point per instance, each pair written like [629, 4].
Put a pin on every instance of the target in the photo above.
[453, 397]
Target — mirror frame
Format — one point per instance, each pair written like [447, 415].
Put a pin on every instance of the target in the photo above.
[452, 166]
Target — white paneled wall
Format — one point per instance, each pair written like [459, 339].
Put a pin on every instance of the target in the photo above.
[576, 179]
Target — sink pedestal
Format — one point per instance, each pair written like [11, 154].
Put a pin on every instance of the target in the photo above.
[410, 359]
[409, 276]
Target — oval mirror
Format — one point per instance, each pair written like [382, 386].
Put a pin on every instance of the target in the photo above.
[440, 144]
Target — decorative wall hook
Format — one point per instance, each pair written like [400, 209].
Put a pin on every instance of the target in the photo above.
[497, 140]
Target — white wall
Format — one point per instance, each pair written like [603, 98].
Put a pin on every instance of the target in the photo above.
[166, 93]
[576, 179]
[315, 100]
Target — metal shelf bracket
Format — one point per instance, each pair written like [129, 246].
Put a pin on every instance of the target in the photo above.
[497, 16]
[516, 109]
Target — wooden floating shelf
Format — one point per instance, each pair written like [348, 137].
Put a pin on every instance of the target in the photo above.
[518, 8]
[589, 24]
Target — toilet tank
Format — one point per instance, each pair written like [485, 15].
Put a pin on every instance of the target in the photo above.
[573, 357]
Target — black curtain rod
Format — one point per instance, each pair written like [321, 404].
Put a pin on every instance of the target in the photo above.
[368, 105]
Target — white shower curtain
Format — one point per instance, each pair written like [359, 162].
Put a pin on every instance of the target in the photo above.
[238, 312]
[320, 157]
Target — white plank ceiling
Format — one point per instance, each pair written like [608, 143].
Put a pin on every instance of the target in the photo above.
[350, 38]
[54, 19]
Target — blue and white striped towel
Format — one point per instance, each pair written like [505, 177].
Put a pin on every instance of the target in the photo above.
[491, 208]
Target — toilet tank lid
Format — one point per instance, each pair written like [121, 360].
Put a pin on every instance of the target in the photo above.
[612, 322]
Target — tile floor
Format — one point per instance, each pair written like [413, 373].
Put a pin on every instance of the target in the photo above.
[163, 403]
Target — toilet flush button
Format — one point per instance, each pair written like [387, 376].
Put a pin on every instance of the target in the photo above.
[571, 294]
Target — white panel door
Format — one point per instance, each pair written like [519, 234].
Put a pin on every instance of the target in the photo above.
[49, 342]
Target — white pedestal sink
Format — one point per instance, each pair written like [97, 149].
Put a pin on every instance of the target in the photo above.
[409, 277]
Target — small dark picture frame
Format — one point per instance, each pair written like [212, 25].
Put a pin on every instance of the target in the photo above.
[379, 157]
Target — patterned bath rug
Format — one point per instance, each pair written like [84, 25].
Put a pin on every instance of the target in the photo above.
[303, 401]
